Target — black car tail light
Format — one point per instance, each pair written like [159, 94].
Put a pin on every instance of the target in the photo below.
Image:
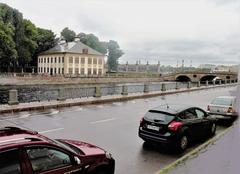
[208, 108]
[141, 121]
[174, 125]
[230, 110]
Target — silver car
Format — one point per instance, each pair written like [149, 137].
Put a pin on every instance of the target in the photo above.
[223, 105]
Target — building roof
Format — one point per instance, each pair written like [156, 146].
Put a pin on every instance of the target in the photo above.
[72, 47]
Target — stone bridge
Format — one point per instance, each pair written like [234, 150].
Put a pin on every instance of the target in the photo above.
[202, 76]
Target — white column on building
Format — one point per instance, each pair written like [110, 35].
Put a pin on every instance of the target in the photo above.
[97, 64]
[49, 66]
[79, 64]
[86, 65]
[73, 64]
[92, 66]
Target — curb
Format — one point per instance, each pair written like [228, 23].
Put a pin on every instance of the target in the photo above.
[104, 99]
[194, 152]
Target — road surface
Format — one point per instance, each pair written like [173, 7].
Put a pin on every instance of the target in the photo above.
[113, 127]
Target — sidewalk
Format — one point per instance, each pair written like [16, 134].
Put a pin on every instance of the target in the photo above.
[95, 100]
[220, 155]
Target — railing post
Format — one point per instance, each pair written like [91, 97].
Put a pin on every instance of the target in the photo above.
[220, 82]
[214, 82]
[199, 84]
[97, 91]
[124, 90]
[177, 86]
[189, 85]
[61, 94]
[13, 97]
[206, 83]
[163, 87]
[146, 88]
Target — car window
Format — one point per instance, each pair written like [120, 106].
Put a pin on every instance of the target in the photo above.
[223, 101]
[45, 158]
[189, 114]
[9, 162]
[156, 115]
[200, 114]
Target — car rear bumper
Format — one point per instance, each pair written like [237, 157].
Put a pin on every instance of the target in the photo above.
[227, 115]
[149, 136]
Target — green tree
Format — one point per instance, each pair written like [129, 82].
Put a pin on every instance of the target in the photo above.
[8, 52]
[28, 43]
[45, 40]
[114, 53]
[68, 34]
[92, 41]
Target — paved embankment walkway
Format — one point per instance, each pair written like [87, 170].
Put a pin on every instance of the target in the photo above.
[94, 100]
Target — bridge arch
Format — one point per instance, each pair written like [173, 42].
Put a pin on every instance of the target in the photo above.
[208, 78]
[183, 78]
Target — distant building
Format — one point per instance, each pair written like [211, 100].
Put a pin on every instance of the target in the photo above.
[71, 58]
[223, 68]
[207, 66]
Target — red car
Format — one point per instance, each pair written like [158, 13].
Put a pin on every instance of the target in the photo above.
[27, 152]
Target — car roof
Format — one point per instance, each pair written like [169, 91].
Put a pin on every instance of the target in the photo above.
[227, 97]
[15, 135]
[172, 108]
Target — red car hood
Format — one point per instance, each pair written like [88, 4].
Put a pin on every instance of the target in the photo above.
[86, 148]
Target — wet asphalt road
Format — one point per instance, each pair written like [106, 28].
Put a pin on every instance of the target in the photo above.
[113, 127]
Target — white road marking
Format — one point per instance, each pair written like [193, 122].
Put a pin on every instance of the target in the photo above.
[79, 109]
[51, 130]
[25, 116]
[102, 121]
[118, 103]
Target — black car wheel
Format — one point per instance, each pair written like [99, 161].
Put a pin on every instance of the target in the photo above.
[212, 130]
[182, 143]
[101, 170]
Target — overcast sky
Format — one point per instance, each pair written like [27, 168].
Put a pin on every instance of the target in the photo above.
[201, 31]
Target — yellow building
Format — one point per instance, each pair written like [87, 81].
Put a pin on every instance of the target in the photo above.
[71, 58]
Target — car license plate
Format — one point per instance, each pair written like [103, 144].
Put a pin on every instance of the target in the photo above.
[156, 128]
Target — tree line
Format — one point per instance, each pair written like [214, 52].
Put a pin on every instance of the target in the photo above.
[21, 42]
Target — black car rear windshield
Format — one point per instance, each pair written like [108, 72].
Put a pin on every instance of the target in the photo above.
[157, 115]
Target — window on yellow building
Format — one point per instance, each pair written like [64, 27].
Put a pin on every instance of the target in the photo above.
[76, 60]
[89, 71]
[82, 71]
[89, 61]
[70, 71]
[82, 60]
[94, 71]
[99, 71]
[94, 61]
[100, 61]
[70, 60]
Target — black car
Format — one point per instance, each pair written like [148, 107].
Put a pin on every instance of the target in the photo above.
[176, 125]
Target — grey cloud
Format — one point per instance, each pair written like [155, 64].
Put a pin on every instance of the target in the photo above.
[198, 52]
